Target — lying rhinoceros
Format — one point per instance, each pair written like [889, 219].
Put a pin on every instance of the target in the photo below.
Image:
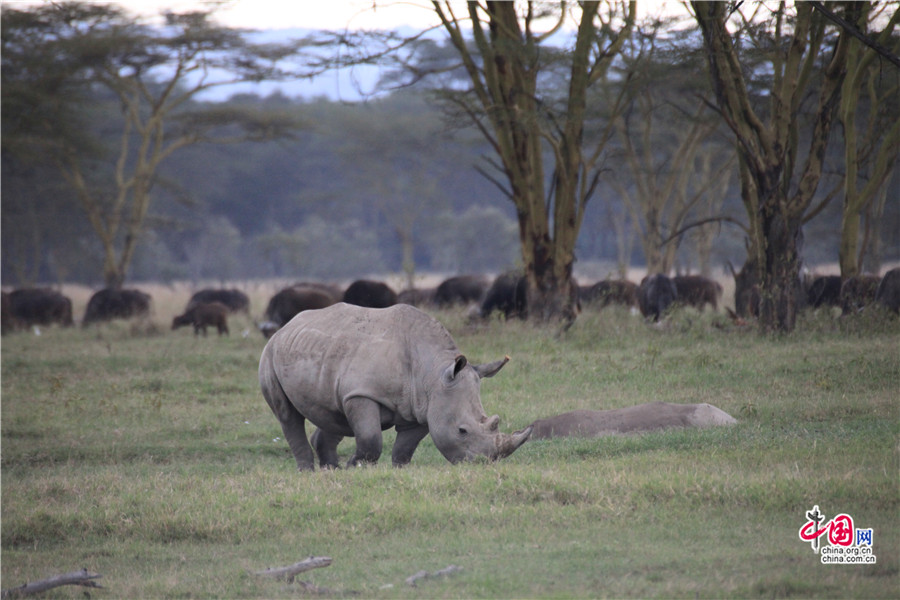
[356, 371]
[631, 419]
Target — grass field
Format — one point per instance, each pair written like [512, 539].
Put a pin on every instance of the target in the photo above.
[150, 456]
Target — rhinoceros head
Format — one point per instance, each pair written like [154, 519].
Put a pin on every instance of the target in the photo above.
[456, 419]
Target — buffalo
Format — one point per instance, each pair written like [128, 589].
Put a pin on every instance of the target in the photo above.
[697, 291]
[462, 289]
[115, 303]
[748, 294]
[610, 291]
[39, 306]
[289, 302]
[332, 289]
[370, 294]
[888, 292]
[858, 291]
[416, 296]
[203, 315]
[233, 299]
[746, 290]
[656, 294]
[825, 291]
[508, 294]
[7, 321]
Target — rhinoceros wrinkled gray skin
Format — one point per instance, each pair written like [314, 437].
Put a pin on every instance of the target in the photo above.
[355, 371]
[631, 419]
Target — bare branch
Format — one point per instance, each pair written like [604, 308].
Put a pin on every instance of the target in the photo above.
[702, 222]
[855, 32]
[289, 572]
[83, 578]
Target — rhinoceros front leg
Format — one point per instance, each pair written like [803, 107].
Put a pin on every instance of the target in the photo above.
[325, 445]
[364, 416]
[407, 441]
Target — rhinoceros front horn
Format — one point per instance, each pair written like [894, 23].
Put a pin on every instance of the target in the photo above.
[508, 443]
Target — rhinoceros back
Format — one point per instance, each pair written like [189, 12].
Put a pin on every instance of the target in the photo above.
[322, 357]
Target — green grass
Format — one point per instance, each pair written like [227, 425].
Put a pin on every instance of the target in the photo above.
[149, 456]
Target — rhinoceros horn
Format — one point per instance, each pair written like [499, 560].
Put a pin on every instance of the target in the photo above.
[509, 443]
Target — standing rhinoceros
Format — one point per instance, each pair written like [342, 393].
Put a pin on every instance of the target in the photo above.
[355, 371]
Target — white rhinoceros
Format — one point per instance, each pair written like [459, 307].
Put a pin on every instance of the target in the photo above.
[631, 419]
[356, 371]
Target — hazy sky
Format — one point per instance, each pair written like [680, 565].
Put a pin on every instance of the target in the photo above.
[331, 14]
[310, 14]
[318, 14]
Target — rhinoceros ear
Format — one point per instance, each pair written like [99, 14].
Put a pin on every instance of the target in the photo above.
[459, 363]
[490, 369]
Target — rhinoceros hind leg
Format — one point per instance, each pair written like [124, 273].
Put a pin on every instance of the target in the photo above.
[293, 424]
[325, 445]
[406, 443]
[294, 429]
[364, 416]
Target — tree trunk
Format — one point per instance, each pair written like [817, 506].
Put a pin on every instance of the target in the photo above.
[781, 275]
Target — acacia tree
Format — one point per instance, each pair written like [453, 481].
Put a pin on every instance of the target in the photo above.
[775, 189]
[397, 162]
[510, 99]
[665, 141]
[154, 75]
[871, 134]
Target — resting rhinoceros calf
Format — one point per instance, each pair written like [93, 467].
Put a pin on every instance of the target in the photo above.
[631, 419]
[355, 371]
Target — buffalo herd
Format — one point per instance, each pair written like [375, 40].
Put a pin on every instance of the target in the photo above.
[505, 295]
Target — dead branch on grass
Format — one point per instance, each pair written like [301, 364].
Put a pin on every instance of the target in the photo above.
[288, 573]
[82, 578]
[412, 579]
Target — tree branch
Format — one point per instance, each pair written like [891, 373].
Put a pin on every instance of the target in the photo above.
[855, 32]
[289, 572]
[701, 222]
[83, 578]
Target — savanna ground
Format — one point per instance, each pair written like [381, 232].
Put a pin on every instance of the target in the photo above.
[150, 456]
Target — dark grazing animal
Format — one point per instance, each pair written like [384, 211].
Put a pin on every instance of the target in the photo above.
[39, 306]
[114, 303]
[825, 291]
[746, 289]
[462, 289]
[235, 300]
[656, 294]
[354, 371]
[888, 292]
[203, 315]
[697, 291]
[416, 296]
[610, 291]
[7, 321]
[857, 292]
[370, 294]
[332, 289]
[291, 301]
[508, 294]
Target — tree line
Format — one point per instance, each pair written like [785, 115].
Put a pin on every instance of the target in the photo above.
[675, 144]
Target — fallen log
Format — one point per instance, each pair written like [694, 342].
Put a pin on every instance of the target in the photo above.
[83, 578]
[288, 573]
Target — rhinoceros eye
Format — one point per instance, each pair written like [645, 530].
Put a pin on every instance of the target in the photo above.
[463, 431]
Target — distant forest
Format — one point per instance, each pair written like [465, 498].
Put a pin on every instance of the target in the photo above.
[388, 185]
